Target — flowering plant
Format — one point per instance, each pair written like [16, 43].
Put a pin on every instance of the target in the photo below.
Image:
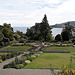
[56, 51]
[65, 71]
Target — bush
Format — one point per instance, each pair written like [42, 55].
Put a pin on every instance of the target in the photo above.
[69, 41]
[7, 66]
[3, 57]
[34, 56]
[66, 71]
[8, 56]
[1, 61]
[1, 43]
[12, 55]
[30, 58]
[66, 42]
[20, 61]
[22, 40]
[27, 61]
[74, 43]
[13, 64]
[16, 60]
[19, 66]
[24, 64]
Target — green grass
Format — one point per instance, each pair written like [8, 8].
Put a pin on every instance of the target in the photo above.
[60, 49]
[31, 43]
[3, 53]
[16, 48]
[57, 60]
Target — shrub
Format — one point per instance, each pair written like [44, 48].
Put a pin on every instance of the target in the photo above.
[20, 61]
[1, 61]
[30, 58]
[66, 71]
[66, 42]
[16, 60]
[18, 53]
[24, 52]
[74, 43]
[34, 56]
[7, 66]
[69, 41]
[13, 64]
[3, 57]
[12, 55]
[27, 61]
[1, 43]
[8, 56]
[40, 52]
[24, 64]
[19, 66]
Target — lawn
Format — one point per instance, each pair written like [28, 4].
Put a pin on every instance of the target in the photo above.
[57, 60]
[72, 49]
[16, 48]
[31, 43]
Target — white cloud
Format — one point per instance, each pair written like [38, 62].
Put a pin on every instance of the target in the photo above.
[28, 12]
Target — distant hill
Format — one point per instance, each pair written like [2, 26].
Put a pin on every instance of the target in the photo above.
[63, 24]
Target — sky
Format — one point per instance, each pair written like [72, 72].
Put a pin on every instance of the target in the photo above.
[25, 13]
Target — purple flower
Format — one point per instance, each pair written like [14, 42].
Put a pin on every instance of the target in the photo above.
[9, 51]
[56, 51]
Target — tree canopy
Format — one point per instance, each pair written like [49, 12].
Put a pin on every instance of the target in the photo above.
[40, 31]
[58, 37]
[67, 32]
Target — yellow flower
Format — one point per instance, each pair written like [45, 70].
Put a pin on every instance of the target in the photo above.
[67, 71]
[73, 71]
[57, 74]
[60, 68]
[60, 74]
[65, 67]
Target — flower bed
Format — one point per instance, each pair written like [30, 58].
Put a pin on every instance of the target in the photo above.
[22, 62]
[11, 54]
[56, 51]
[9, 51]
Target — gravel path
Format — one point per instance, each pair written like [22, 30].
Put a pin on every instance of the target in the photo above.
[8, 61]
[37, 49]
[25, 72]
